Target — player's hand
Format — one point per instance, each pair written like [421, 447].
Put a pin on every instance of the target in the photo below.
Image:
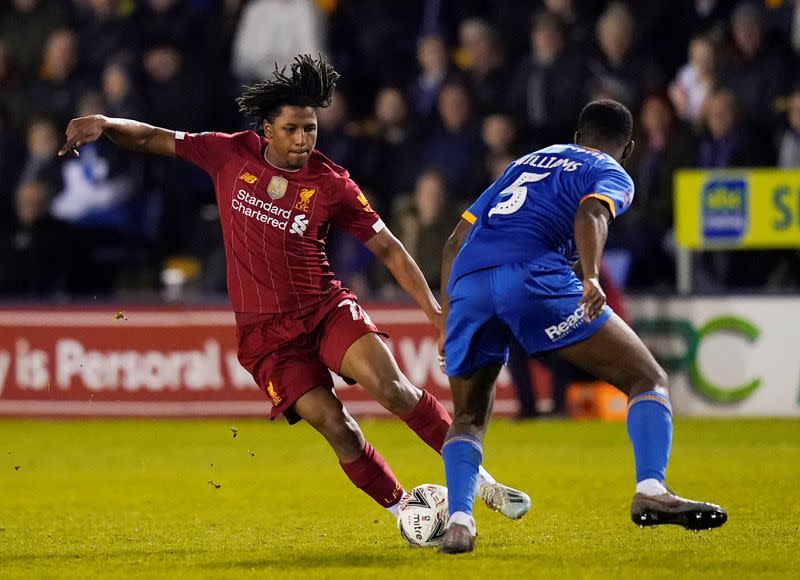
[80, 131]
[594, 299]
[440, 347]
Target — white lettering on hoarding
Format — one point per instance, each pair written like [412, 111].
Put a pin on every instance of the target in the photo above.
[131, 370]
[31, 367]
[239, 376]
[421, 361]
[5, 364]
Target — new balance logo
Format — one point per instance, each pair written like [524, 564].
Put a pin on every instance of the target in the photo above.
[299, 225]
[565, 327]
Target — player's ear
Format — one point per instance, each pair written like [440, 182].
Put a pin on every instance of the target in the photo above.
[626, 153]
[267, 129]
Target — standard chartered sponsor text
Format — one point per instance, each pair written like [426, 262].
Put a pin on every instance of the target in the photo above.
[261, 210]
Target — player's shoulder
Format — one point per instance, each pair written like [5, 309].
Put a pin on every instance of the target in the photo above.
[241, 139]
[325, 169]
[249, 140]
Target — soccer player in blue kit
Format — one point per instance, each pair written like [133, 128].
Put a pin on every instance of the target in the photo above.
[508, 273]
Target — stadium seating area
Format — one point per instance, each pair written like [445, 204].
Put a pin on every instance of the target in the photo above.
[436, 98]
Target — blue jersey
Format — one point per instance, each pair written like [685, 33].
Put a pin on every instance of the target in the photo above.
[529, 213]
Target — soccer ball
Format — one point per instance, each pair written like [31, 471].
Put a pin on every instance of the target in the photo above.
[422, 515]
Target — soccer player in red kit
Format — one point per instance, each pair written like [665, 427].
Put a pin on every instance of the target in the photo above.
[277, 199]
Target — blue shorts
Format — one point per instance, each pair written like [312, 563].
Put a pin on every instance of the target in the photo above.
[537, 306]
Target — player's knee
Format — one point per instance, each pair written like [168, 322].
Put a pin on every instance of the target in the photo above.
[655, 380]
[400, 397]
[468, 421]
[395, 394]
[467, 425]
[339, 428]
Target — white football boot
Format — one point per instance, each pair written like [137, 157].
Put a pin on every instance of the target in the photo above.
[510, 502]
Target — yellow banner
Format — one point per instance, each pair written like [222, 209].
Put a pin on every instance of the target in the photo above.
[729, 209]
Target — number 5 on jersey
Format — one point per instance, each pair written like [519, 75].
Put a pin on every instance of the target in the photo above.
[518, 192]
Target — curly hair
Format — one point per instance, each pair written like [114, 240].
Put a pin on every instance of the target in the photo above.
[309, 83]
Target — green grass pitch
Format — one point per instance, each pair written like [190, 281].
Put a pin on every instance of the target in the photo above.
[133, 499]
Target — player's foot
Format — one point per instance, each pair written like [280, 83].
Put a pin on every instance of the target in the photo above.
[670, 508]
[457, 540]
[510, 502]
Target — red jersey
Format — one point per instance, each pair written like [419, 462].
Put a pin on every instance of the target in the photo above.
[274, 221]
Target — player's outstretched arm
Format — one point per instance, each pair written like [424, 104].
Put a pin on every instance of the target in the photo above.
[128, 134]
[405, 270]
[591, 231]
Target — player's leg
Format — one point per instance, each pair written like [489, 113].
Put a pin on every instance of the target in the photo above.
[473, 396]
[617, 355]
[476, 346]
[365, 467]
[349, 346]
[370, 363]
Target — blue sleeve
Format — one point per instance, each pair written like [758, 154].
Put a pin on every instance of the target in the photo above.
[479, 205]
[612, 185]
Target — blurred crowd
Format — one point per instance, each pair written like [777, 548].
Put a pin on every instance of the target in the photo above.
[436, 98]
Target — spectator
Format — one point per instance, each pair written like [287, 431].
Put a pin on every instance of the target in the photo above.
[725, 141]
[170, 22]
[24, 29]
[391, 155]
[708, 16]
[337, 135]
[9, 167]
[547, 90]
[118, 92]
[425, 224]
[173, 95]
[789, 147]
[274, 31]
[59, 85]
[35, 251]
[695, 80]
[376, 41]
[97, 184]
[104, 31]
[435, 70]
[499, 135]
[619, 67]
[663, 145]
[12, 95]
[484, 62]
[577, 25]
[755, 72]
[220, 25]
[41, 162]
[455, 142]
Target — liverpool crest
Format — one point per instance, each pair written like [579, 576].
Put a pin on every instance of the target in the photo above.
[305, 197]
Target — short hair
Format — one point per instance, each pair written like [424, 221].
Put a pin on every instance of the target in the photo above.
[309, 83]
[606, 120]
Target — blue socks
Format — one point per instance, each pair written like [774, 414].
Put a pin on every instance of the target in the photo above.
[650, 432]
[462, 455]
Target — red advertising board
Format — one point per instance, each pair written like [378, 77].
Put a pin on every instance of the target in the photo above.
[172, 362]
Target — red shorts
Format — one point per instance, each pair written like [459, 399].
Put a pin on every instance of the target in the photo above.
[288, 355]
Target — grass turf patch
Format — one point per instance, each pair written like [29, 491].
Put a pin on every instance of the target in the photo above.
[186, 498]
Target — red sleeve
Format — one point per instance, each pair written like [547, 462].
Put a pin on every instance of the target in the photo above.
[206, 150]
[354, 213]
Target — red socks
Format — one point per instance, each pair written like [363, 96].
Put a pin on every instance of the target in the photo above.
[430, 421]
[370, 472]
[372, 475]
